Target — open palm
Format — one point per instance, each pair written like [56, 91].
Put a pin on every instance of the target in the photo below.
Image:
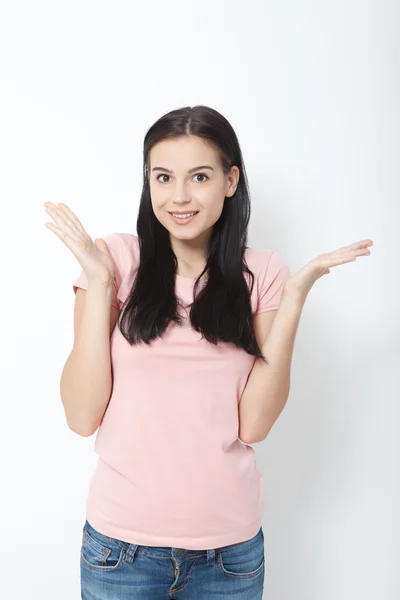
[302, 281]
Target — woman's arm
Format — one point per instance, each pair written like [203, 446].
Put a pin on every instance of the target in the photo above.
[267, 388]
[86, 379]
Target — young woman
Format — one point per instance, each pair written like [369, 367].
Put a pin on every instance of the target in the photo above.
[181, 360]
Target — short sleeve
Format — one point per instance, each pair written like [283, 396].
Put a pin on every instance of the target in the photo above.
[271, 281]
[115, 247]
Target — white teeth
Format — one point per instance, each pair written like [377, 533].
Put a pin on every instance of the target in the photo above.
[183, 216]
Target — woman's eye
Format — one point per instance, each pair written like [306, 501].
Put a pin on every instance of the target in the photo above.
[158, 178]
[201, 175]
[197, 175]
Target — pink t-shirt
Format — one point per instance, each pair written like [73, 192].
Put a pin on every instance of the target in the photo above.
[171, 469]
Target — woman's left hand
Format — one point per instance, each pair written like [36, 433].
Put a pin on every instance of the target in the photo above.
[301, 282]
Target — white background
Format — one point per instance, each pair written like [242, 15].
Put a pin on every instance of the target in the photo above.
[312, 90]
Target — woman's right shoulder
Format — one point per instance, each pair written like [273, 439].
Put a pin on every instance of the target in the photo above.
[129, 242]
[125, 247]
[128, 257]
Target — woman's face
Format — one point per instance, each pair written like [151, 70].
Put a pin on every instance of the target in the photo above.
[178, 185]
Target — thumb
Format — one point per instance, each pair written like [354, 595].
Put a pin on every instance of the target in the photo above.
[101, 245]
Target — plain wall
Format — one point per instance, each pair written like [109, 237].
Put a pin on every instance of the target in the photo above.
[312, 90]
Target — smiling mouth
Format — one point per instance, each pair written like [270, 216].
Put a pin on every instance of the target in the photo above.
[184, 217]
[180, 213]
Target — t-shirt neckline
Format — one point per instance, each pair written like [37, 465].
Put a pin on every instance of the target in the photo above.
[185, 278]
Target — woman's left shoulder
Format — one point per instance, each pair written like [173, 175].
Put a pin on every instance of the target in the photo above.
[260, 260]
[270, 273]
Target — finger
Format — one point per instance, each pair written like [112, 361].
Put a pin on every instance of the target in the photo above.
[62, 220]
[59, 232]
[336, 260]
[348, 253]
[355, 246]
[72, 216]
[359, 252]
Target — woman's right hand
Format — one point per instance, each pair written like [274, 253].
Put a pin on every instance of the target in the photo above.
[94, 257]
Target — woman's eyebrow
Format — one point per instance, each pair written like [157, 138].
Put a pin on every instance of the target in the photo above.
[189, 171]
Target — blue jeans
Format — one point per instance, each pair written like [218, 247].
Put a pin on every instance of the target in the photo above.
[115, 570]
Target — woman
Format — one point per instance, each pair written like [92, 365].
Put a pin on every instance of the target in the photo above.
[197, 369]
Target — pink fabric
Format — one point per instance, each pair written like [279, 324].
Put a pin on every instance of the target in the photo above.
[171, 469]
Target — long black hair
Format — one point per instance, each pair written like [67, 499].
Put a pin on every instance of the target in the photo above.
[221, 311]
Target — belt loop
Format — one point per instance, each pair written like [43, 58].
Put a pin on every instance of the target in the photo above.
[210, 557]
[130, 552]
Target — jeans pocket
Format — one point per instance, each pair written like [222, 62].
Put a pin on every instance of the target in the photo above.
[100, 552]
[243, 560]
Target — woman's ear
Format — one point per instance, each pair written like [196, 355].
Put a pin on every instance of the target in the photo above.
[232, 182]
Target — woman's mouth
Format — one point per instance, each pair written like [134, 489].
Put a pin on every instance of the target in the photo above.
[183, 218]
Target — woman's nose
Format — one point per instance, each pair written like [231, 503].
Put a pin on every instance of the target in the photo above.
[181, 192]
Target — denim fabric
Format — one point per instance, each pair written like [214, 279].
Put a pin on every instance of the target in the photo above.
[115, 570]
